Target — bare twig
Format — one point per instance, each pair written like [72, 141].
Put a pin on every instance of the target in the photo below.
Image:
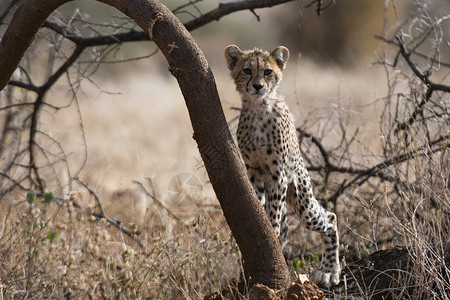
[319, 5]
[157, 201]
[7, 10]
[419, 54]
[116, 223]
[94, 194]
[425, 78]
[229, 8]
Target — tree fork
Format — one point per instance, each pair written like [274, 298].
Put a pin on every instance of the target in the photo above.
[261, 252]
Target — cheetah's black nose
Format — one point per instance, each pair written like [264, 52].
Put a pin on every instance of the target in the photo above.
[257, 86]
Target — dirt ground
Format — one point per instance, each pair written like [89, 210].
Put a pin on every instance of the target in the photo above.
[380, 275]
[297, 290]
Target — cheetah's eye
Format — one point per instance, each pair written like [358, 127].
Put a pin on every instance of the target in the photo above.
[267, 72]
[247, 71]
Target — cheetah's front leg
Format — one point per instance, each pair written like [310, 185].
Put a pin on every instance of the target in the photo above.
[257, 181]
[276, 190]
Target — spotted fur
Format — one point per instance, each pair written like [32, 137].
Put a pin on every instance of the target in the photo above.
[269, 145]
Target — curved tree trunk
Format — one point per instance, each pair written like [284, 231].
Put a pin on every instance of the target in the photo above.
[264, 262]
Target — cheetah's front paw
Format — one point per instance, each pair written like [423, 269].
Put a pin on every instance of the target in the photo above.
[326, 277]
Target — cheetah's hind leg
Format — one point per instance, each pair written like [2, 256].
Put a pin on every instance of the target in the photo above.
[316, 218]
[329, 271]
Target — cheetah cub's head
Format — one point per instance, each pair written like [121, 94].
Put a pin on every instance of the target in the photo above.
[256, 72]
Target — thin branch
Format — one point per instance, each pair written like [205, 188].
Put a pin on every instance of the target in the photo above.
[126, 60]
[7, 10]
[32, 142]
[23, 85]
[159, 203]
[419, 54]
[228, 8]
[102, 215]
[324, 152]
[80, 120]
[94, 194]
[183, 6]
[62, 69]
[425, 78]
[258, 18]
[16, 183]
[30, 104]
[319, 6]
[119, 38]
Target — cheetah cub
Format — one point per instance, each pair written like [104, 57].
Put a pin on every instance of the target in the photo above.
[269, 146]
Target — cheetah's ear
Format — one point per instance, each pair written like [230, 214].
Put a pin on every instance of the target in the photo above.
[232, 54]
[281, 56]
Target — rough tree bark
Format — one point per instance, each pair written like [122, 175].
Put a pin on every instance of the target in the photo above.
[264, 261]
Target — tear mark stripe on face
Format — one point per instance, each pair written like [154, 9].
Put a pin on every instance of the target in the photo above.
[248, 83]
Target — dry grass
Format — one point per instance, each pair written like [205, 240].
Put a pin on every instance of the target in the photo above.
[59, 251]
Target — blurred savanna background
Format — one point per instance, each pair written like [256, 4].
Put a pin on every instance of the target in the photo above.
[127, 211]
